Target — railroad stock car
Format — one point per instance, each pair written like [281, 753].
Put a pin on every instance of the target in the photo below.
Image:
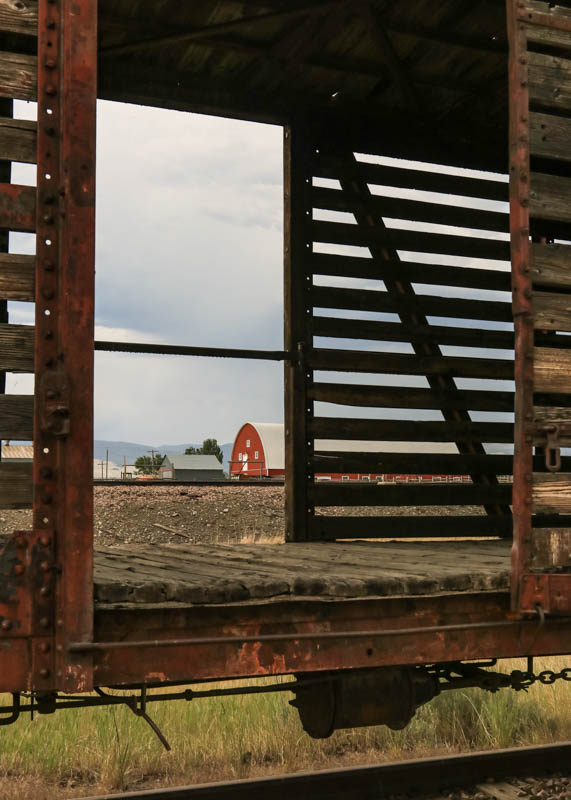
[424, 124]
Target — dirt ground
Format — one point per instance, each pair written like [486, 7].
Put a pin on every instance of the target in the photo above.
[178, 514]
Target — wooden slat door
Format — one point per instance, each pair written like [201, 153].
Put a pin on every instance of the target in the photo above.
[540, 210]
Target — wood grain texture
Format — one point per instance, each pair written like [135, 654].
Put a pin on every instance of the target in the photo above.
[17, 277]
[16, 416]
[16, 348]
[16, 489]
[551, 37]
[197, 574]
[17, 207]
[549, 136]
[380, 430]
[19, 16]
[550, 80]
[551, 265]
[18, 76]
[552, 370]
[551, 547]
[18, 140]
[552, 493]
[550, 197]
[552, 311]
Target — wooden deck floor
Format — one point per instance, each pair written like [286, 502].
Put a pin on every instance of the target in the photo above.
[202, 574]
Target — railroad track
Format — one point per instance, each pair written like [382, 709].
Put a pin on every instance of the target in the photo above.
[477, 774]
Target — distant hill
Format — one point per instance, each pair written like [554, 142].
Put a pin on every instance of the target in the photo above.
[132, 450]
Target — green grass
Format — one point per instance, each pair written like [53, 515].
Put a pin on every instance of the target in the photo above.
[219, 738]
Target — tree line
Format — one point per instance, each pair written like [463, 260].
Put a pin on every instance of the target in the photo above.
[149, 465]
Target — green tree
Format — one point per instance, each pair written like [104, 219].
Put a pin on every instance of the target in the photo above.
[210, 447]
[144, 466]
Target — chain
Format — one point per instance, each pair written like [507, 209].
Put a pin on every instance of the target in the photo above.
[523, 680]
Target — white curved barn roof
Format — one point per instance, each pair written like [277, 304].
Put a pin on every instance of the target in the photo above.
[272, 436]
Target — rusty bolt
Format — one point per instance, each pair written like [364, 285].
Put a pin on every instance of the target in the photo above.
[50, 63]
[48, 335]
[50, 199]
[522, 60]
[47, 499]
[51, 394]
[44, 672]
[51, 24]
[45, 540]
[51, 89]
[44, 622]
[18, 569]
[47, 293]
[50, 131]
[49, 362]
[48, 219]
[46, 473]
[45, 566]
[20, 542]
[45, 647]
[45, 591]
[6, 624]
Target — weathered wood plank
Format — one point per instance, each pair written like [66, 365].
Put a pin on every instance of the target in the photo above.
[549, 136]
[18, 140]
[340, 328]
[16, 489]
[16, 348]
[412, 527]
[551, 265]
[416, 210]
[552, 370]
[551, 547]
[552, 37]
[552, 311]
[408, 397]
[16, 416]
[409, 494]
[391, 364]
[550, 197]
[19, 16]
[18, 76]
[381, 301]
[17, 207]
[415, 272]
[17, 277]
[551, 493]
[381, 430]
[550, 80]
[442, 244]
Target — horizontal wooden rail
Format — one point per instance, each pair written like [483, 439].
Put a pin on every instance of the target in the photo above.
[550, 136]
[19, 17]
[552, 370]
[16, 348]
[550, 265]
[552, 311]
[380, 301]
[17, 206]
[391, 430]
[16, 488]
[18, 76]
[182, 350]
[552, 493]
[17, 277]
[18, 140]
[415, 272]
[409, 527]
[16, 416]
[411, 463]
[550, 197]
[391, 364]
[408, 494]
[549, 81]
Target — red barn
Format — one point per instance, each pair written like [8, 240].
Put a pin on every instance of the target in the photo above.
[259, 452]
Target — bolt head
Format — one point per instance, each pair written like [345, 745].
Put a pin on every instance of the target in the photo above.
[44, 672]
[6, 624]
[44, 622]
[45, 540]
[19, 569]
[45, 591]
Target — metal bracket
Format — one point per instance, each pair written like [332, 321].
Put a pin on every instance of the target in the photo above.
[551, 592]
[552, 431]
[54, 398]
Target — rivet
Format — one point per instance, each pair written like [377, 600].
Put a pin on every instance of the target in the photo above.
[48, 219]
[45, 566]
[60, 623]
[522, 60]
[45, 540]
[50, 63]
[49, 199]
[47, 294]
[49, 362]
[44, 672]
[45, 591]
[50, 131]
[20, 543]
[50, 24]
[44, 622]
[59, 648]
[51, 394]
[6, 624]
[46, 500]
[46, 473]
[18, 569]
[48, 335]
[45, 647]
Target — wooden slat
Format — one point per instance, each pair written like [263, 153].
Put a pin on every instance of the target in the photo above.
[408, 397]
[17, 207]
[16, 348]
[549, 136]
[551, 265]
[340, 328]
[552, 493]
[372, 300]
[552, 370]
[398, 208]
[18, 140]
[551, 547]
[18, 76]
[391, 364]
[552, 311]
[415, 272]
[443, 244]
[16, 490]
[552, 37]
[17, 277]
[409, 527]
[19, 16]
[331, 167]
[16, 416]
[408, 494]
[550, 197]
[391, 430]
[341, 461]
[549, 80]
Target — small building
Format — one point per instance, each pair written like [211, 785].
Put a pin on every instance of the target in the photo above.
[191, 468]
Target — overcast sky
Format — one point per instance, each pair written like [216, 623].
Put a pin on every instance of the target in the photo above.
[189, 251]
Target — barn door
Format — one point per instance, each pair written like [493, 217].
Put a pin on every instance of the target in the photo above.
[540, 210]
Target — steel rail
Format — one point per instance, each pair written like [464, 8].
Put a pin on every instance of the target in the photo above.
[376, 781]
[161, 482]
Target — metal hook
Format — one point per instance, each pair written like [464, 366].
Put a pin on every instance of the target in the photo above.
[15, 710]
